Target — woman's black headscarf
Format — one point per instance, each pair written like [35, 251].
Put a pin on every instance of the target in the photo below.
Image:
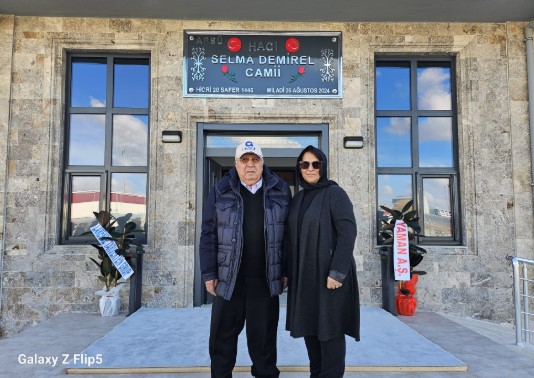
[310, 190]
[323, 180]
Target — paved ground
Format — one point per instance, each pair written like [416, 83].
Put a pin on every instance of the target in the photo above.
[155, 338]
[488, 349]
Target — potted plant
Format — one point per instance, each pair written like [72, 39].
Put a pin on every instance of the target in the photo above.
[109, 274]
[405, 302]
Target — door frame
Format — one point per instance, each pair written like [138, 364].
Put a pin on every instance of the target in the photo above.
[201, 191]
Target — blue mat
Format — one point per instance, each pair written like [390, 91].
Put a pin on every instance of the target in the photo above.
[172, 338]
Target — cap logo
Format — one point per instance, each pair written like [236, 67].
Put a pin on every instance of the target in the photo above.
[249, 146]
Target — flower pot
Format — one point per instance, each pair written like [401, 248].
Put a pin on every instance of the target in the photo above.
[406, 304]
[110, 301]
[110, 305]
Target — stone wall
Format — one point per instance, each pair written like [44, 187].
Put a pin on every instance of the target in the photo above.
[6, 49]
[41, 278]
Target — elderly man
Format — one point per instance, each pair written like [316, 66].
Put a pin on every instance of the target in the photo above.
[242, 260]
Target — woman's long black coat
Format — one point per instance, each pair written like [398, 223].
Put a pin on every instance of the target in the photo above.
[323, 248]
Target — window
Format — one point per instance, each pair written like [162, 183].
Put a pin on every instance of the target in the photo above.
[416, 143]
[106, 142]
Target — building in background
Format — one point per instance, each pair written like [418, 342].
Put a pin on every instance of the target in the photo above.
[89, 95]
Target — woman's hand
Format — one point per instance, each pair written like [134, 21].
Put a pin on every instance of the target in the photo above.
[333, 284]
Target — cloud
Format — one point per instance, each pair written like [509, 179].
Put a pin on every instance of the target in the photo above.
[131, 183]
[87, 140]
[398, 126]
[433, 86]
[430, 128]
[96, 103]
[435, 129]
[86, 184]
[437, 194]
[130, 138]
[387, 190]
[87, 133]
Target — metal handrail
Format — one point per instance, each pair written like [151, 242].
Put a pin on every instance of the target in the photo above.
[523, 332]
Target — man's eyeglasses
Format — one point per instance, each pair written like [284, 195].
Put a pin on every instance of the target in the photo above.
[314, 164]
[253, 159]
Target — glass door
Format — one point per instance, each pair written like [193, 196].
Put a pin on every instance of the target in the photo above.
[280, 144]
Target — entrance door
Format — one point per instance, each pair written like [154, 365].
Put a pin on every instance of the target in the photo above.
[216, 143]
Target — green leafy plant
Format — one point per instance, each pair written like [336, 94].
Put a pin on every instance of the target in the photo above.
[412, 221]
[124, 240]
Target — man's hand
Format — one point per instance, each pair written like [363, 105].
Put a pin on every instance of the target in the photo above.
[210, 286]
[284, 281]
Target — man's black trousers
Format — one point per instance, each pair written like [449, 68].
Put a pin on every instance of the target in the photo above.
[251, 301]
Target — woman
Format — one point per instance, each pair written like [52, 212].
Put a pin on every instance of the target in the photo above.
[323, 300]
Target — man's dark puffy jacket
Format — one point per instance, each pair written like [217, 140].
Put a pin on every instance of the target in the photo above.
[221, 241]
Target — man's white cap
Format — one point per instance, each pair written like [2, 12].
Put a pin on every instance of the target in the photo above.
[248, 147]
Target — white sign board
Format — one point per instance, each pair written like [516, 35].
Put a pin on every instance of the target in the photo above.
[401, 251]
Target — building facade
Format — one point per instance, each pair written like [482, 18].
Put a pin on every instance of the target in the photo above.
[485, 211]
